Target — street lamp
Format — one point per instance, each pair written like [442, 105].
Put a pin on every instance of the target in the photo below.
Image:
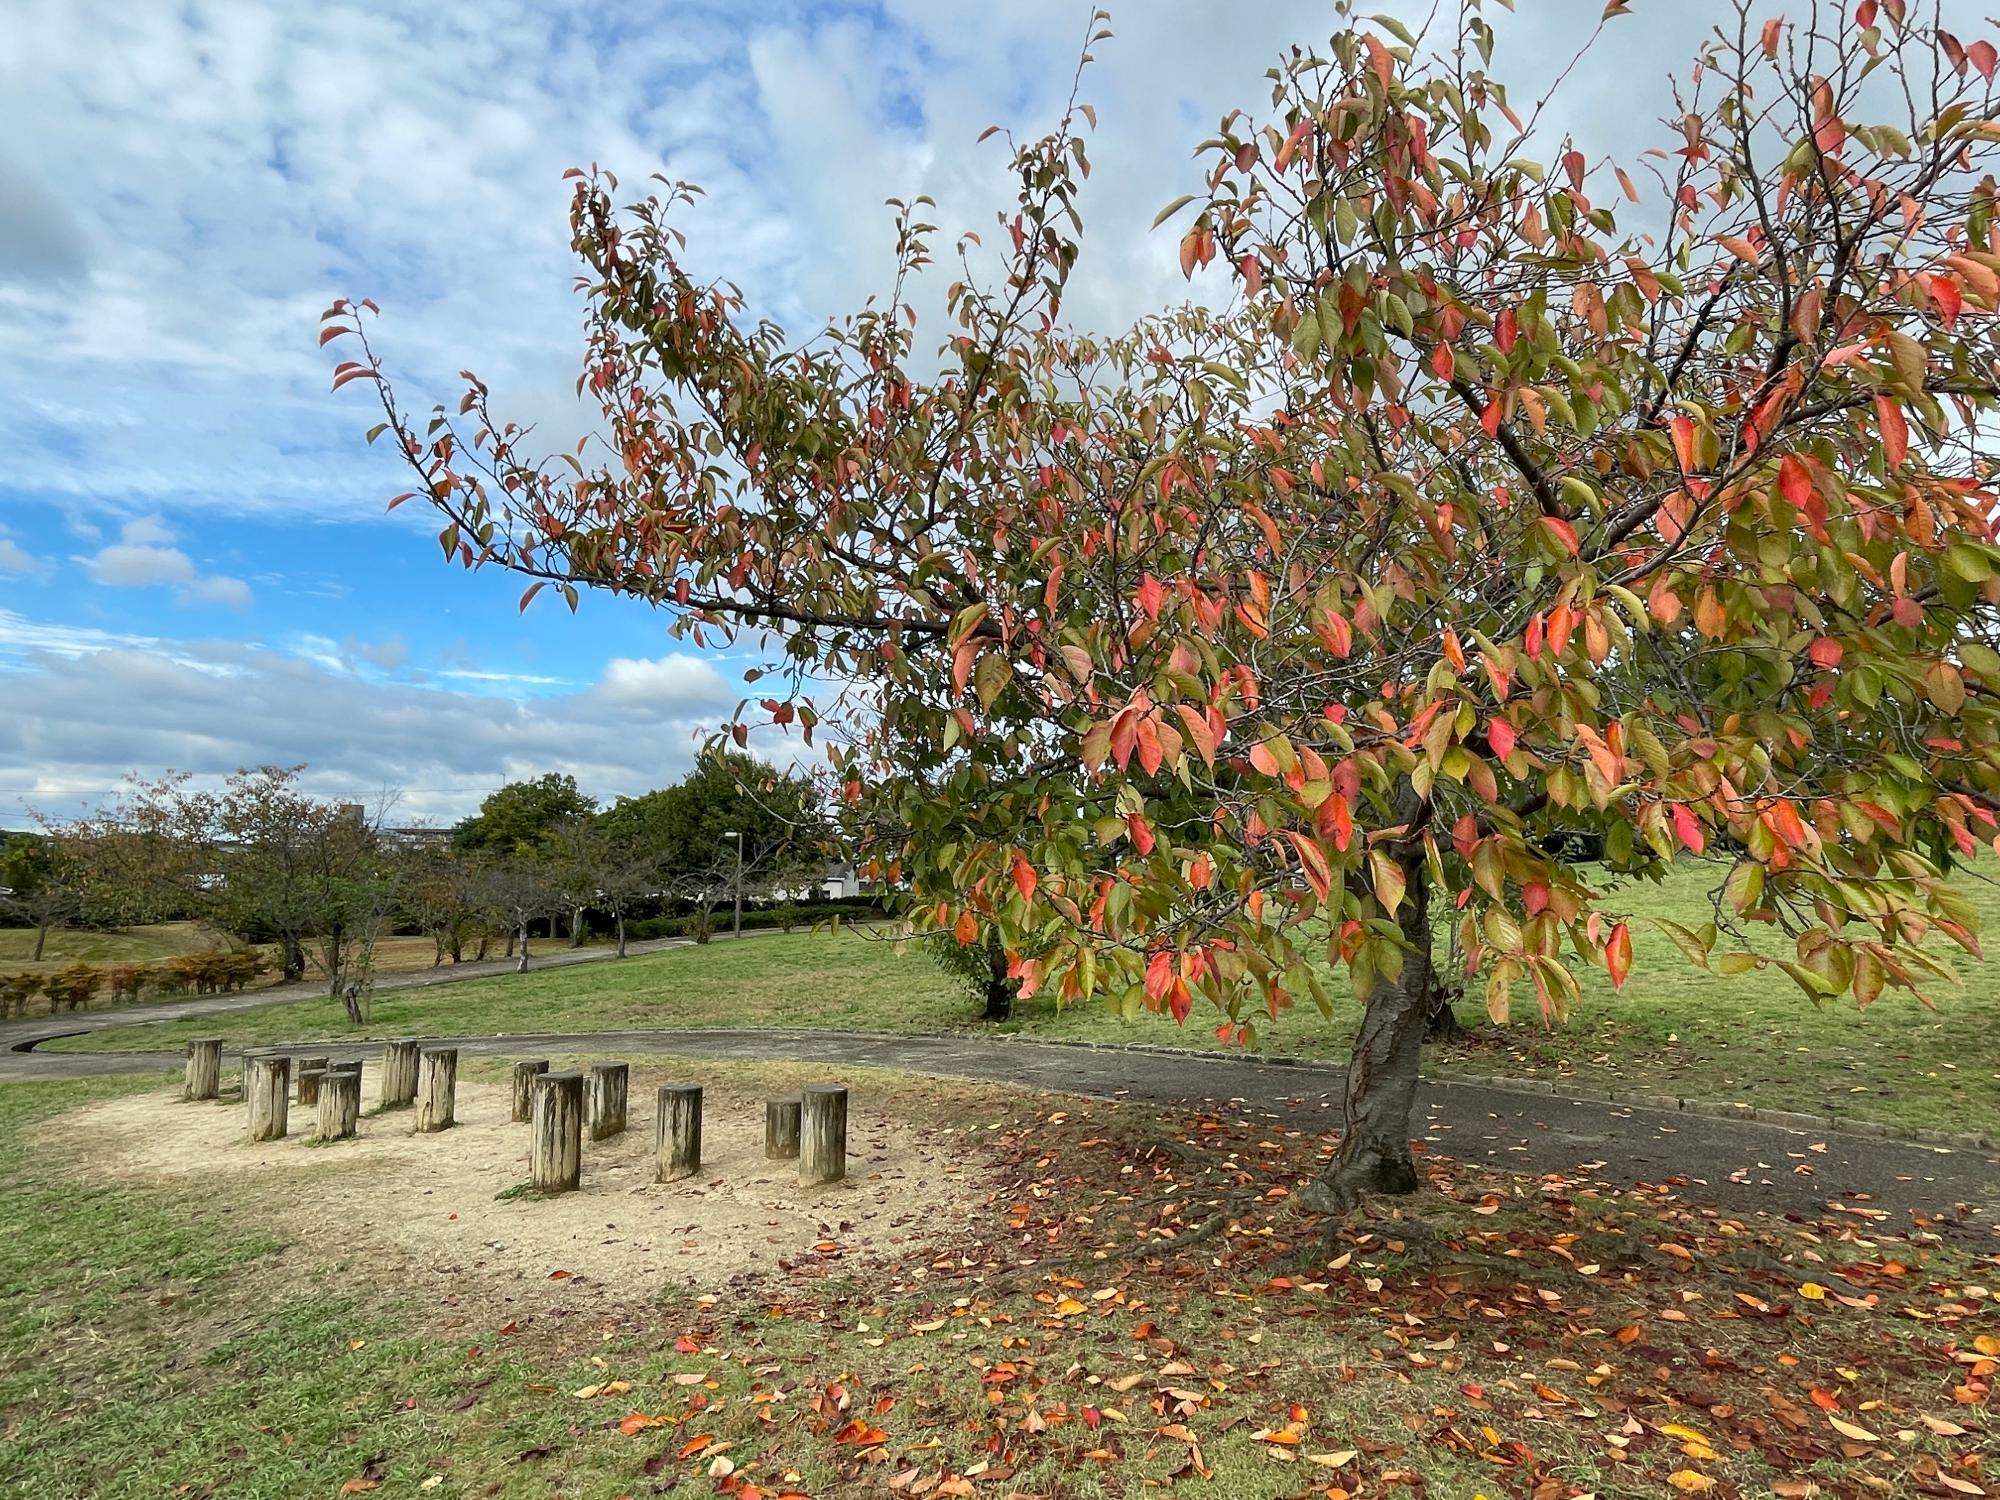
[732, 833]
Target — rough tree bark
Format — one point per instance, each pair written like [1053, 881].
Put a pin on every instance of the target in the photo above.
[610, 1088]
[437, 1088]
[781, 1129]
[204, 1069]
[525, 1075]
[822, 1135]
[267, 1091]
[338, 1107]
[521, 967]
[399, 1074]
[1381, 1091]
[555, 1147]
[677, 1132]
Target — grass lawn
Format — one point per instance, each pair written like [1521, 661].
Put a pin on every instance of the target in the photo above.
[133, 945]
[1675, 1029]
[1137, 1307]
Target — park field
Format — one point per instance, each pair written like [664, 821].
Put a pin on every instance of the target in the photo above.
[1012, 1295]
[132, 945]
[1674, 1029]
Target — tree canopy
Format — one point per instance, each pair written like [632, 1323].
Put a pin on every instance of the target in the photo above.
[520, 815]
[1509, 491]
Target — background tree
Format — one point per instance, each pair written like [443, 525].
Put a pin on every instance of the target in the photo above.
[685, 831]
[520, 815]
[41, 891]
[1273, 632]
[439, 888]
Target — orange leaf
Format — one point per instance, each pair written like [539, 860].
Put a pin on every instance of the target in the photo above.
[1895, 430]
[1618, 955]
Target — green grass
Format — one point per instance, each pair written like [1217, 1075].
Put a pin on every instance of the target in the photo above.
[132, 945]
[1675, 1030]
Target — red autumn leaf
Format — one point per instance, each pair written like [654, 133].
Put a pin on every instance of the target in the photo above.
[1683, 434]
[1895, 430]
[1024, 878]
[1794, 480]
[1500, 735]
[1618, 955]
[1688, 828]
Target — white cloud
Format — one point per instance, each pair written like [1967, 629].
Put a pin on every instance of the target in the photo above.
[124, 566]
[147, 531]
[229, 593]
[106, 703]
[17, 561]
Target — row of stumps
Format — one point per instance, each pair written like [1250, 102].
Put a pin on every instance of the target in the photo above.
[558, 1107]
[412, 1075]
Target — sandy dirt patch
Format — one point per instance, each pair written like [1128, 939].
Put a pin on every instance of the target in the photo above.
[430, 1204]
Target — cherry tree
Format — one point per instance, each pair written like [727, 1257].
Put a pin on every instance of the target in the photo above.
[1501, 493]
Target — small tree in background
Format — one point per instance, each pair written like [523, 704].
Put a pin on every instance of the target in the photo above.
[1278, 631]
[40, 884]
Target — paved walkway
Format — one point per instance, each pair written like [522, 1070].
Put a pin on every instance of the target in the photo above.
[1738, 1166]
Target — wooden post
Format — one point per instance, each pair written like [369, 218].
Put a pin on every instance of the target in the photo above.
[677, 1131]
[301, 1066]
[822, 1135]
[555, 1148]
[781, 1129]
[267, 1089]
[310, 1080]
[204, 1069]
[525, 1074]
[437, 1088]
[399, 1074]
[339, 1106]
[610, 1088]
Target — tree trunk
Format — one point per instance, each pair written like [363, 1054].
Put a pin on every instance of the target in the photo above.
[525, 1076]
[677, 1132]
[510, 945]
[437, 1088]
[292, 956]
[204, 1069]
[576, 928]
[339, 1106]
[621, 934]
[522, 966]
[399, 1074]
[610, 1090]
[1381, 1092]
[555, 1147]
[42, 938]
[267, 1091]
[822, 1135]
[781, 1129]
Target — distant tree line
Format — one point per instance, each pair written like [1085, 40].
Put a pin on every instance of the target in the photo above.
[320, 882]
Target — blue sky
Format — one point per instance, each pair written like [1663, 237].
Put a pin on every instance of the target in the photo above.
[196, 569]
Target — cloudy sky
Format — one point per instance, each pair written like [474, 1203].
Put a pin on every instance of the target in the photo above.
[196, 569]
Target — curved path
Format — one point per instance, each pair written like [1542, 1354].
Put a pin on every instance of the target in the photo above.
[1737, 1165]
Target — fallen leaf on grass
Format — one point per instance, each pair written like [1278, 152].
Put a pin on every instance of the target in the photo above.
[1849, 1430]
[1688, 1482]
[1338, 1460]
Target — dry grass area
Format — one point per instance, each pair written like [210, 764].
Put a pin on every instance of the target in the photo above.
[392, 1205]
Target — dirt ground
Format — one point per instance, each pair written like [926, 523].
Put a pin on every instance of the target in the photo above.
[432, 1206]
